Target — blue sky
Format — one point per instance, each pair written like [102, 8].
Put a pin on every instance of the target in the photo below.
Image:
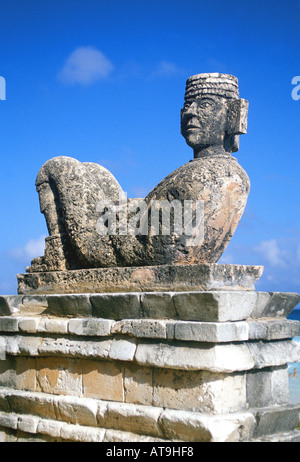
[103, 81]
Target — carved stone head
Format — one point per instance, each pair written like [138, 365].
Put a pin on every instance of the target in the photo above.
[213, 115]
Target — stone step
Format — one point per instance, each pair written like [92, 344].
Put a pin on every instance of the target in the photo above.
[58, 416]
[209, 306]
[290, 437]
[190, 331]
[275, 420]
[24, 427]
[173, 425]
[220, 357]
[182, 277]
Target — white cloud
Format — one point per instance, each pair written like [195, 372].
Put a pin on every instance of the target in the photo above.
[271, 251]
[298, 253]
[33, 248]
[84, 66]
[166, 69]
[226, 259]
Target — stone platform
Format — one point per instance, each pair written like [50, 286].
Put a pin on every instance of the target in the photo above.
[191, 366]
[141, 279]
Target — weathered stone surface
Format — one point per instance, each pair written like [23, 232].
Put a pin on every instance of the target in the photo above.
[34, 305]
[9, 304]
[200, 391]
[8, 324]
[141, 279]
[138, 384]
[123, 350]
[158, 303]
[58, 376]
[193, 356]
[290, 437]
[33, 412]
[148, 328]
[76, 197]
[280, 304]
[69, 305]
[274, 353]
[135, 419]
[116, 306]
[190, 331]
[273, 329]
[204, 428]
[267, 387]
[102, 380]
[214, 306]
[272, 420]
[211, 332]
[90, 327]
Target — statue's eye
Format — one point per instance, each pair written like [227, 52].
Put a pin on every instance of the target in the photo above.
[205, 104]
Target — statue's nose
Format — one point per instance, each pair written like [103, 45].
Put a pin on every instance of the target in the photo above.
[191, 109]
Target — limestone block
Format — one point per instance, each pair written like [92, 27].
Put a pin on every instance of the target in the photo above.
[211, 331]
[28, 423]
[8, 324]
[203, 428]
[116, 306]
[262, 300]
[9, 420]
[200, 391]
[274, 353]
[214, 306]
[68, 347]
[81, 411]
[34, 305]
[267, 387]
[56, 326]
[25, 368]
[134, 418]
[49, 427]
[102, 380]
[2, 349]
[29, 324]
[138, 384]
[59, 376]
[123, 350]
[159, 304]
[10, 304]
[18, 344]
[8, 372]
[81, 433]
[118, 436]
[290, 437]
[140, 328]
[280, 304]
[69, 305]
[90, 327]
[195, 356]
[4, 404]
[38, 404]
[276, 420]
[273, 329]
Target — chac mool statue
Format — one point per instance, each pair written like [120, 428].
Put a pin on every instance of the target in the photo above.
[70, 192]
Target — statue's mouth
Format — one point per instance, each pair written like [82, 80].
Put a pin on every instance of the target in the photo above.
[193, 124]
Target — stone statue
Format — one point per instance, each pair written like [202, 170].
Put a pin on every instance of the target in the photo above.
[70, 192]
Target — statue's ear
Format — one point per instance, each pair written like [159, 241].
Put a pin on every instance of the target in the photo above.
[237, 116]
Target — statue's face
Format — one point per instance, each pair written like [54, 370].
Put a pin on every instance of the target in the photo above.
[203, 122]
